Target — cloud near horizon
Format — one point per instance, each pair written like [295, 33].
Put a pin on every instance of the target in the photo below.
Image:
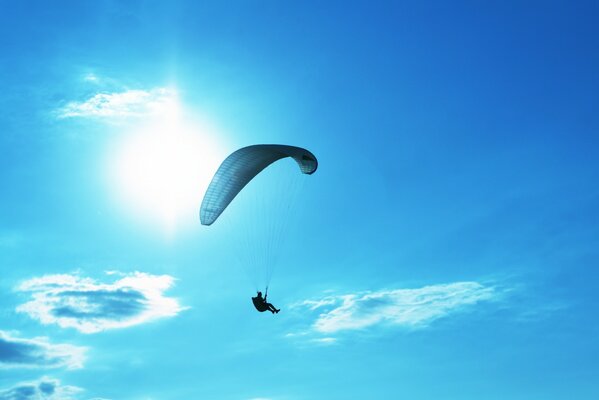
[71, 301]
[408, 308]
[38, 353]
[124, 104]
[45, 388]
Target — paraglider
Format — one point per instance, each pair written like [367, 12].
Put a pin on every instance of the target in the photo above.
[262, 305]
[235, 172]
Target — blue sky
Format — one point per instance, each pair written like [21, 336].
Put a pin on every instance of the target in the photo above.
[447, 246]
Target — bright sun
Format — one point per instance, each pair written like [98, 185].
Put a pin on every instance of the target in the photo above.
[161, 171]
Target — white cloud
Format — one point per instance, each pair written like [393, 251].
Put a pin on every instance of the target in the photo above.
[410, 308]
[128, 103]
[38, 353]
[42, 389]
[91, 77]
[314, 304]
[71, 301]
[325, 341]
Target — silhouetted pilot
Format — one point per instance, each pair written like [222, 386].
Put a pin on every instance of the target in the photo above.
[261, 304]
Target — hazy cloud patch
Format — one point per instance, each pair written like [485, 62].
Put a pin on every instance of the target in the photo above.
[91, 77]
[123, 104]
[42, 389]
[325, 341]
[408, 308]
[71, 301]
[38, 353]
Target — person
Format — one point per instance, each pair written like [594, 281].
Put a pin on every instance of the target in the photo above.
[262, 305]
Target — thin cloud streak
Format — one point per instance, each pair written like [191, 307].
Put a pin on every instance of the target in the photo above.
[325, 341]
[128, 103]
[409, 308]
[71, 301]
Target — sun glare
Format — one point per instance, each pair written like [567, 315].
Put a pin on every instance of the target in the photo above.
[161, 171]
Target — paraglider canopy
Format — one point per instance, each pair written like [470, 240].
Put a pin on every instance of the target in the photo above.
[241, 167]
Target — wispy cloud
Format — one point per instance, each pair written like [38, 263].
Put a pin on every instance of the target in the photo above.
[325, 341]
[44, 388]
[127, 103]
[38, 353]
[91, 77]
[71, 301]
[409, 308]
